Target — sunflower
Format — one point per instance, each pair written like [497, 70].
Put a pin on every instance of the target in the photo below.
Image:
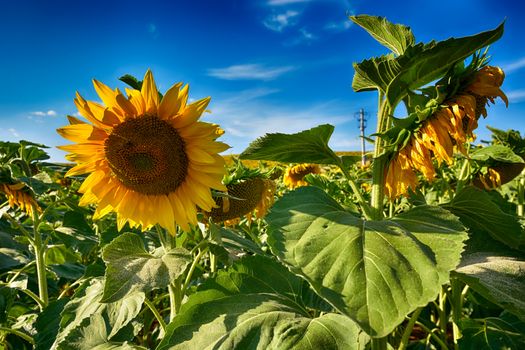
[293, 176]
[444, 132]
[149, 159]
[250, 197]
[18, 194]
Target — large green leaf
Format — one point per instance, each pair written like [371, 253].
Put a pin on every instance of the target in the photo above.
[498, 153]
[483, 217]
[86, 307]
[48, 324]
[308, 146]
[258, 304]
[376, 272]
[131, 268]
[503, 333]
[500, 279]
[421, 64]
[396, 37]
[375, 73]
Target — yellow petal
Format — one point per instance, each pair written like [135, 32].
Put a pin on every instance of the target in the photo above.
[170, 104]
[150, 93]
[191, 113]
[82, 133]
[135, 97]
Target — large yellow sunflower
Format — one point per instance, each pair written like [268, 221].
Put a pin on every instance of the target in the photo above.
[444, 132]
[149, 159]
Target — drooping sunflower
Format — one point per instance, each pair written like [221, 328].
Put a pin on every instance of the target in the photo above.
[149, 159]
[19, 195]
[251, 197]
[444, 132]
[293, 176]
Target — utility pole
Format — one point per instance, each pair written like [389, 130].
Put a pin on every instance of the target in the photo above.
[362, 126]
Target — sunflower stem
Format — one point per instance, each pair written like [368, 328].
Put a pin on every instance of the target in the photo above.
[521, 196]
[40, 250]
[18, 333]
[175, 298]
[156, 313]
[380, 161]
[367, 211]
[194, 264]
[379, 344]
[408, 329]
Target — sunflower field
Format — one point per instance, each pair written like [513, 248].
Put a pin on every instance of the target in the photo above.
[149, 238]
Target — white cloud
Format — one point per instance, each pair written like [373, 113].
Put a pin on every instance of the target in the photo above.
[285, 2]
[338, 26]
[516, 96]
[277, 22]
[50, 113]
[249, 72]
[513, 66]
[305, 37]
[246, 116]
[13, 132]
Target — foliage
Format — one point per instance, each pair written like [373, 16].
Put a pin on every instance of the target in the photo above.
[332, 266]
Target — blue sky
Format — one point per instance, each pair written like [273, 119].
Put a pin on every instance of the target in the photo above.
[269, 65]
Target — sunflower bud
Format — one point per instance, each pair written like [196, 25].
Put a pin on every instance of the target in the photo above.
[18, 194]
[293, 176]
[254, 195]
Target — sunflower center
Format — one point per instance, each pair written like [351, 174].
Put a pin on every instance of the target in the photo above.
[147, 155]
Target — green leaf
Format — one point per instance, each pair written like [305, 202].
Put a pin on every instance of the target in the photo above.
[92, 335]
[86, 307]
[396, 37]
[492, 333]
[500, 279]
[421, 64]
[308, 146]
[483, 217]
[48, 324]
[375, 73]
[258, 304]
[131, 81]
[131, 268]
[376, 272]
[498, 153]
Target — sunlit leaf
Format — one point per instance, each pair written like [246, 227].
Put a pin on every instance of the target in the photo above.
[376, 272]
[86, 306]
[483, 217]
[258, 304]
[308, 146]
[500, 279]
[131, 268]
[396, 37]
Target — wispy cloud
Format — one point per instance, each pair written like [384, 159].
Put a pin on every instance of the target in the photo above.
[39, 116]
[304, 37]
[248, 115]
[253, 71]
[338, 26]
[50, 113]
[278, 21]
[13, 132]
[285, 2]
[513, 66]
[516, 96]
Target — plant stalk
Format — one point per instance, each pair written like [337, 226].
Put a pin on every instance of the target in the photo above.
[40, 260]
[408, 329]
[380, 162]
[156, 314]
[521, 196]
[18, 333]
